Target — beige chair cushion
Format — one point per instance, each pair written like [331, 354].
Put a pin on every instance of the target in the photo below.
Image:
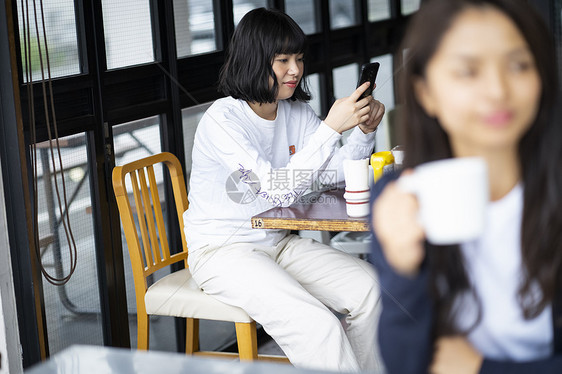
[178, 295]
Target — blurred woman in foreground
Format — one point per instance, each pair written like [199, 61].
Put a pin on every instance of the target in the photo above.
[480, 80]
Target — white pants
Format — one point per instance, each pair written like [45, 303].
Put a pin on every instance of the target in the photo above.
[288, 289]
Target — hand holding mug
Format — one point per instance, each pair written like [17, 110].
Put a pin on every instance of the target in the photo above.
[442, 201]
[395, 221]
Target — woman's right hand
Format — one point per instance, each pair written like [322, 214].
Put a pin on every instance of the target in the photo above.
[347, 112]
[398, 230]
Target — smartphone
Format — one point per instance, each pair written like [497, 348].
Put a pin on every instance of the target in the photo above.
[368, 73]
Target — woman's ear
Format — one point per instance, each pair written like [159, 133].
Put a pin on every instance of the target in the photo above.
[424, 96]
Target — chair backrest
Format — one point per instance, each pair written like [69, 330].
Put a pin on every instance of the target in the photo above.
[148, 242]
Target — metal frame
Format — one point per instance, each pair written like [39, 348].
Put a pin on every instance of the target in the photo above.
[93, 103]
[27, 283]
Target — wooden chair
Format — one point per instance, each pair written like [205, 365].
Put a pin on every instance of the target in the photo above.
[176, 294]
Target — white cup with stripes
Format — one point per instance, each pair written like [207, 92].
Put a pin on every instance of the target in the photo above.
[357, 193]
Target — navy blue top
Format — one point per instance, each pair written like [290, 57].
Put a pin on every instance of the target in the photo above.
[405, 326]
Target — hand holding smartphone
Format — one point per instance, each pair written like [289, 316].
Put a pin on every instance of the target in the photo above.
[368, 73]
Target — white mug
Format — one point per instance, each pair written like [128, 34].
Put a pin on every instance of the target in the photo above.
[452, 195]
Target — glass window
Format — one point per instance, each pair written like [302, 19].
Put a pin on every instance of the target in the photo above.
[195, 27]
[139, 139]
[384, 92]
[241, 7]
[60, 28]
[131, 141]
[136, 139]
[72, 310]
[314, 86]
[342, 13]
[378, 10]
[345, 82]
[213, 334]
[128, 32]
[190, 119]
[302, 11]
[410, 6]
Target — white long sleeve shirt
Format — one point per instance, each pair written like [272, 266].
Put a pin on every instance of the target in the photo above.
[244, 165]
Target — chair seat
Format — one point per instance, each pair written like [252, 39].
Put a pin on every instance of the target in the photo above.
[179, 295]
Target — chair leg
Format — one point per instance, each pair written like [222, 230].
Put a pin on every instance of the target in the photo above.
[142, 331]
[247, 341]
[191, 335]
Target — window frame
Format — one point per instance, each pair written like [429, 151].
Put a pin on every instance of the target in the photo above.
[96, 100]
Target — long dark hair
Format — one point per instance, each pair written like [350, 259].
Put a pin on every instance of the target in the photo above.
[260, 35]
[540, 157]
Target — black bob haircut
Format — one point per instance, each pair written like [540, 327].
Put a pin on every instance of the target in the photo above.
[260, 35]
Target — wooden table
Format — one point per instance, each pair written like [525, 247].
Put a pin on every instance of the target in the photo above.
[317, 211]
